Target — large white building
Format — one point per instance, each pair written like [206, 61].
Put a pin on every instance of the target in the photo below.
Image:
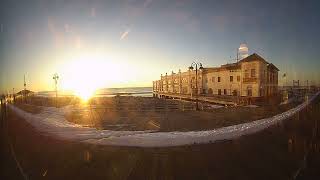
[252, 76]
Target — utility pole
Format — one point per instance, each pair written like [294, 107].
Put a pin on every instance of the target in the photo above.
[13, 95]
[56, 77]
[25, 88]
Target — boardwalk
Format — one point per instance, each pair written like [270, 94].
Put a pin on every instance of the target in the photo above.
[224, 100]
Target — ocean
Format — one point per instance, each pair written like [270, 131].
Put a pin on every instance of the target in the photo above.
[105, 92]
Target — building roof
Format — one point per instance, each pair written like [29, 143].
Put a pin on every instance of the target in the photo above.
[24, 92]
[256, 57]
[273, 66]
[232, 66]
[253, 57]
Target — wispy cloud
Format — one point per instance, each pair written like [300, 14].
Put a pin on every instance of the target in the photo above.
[93, 12]
[146, 3]
[78, 42]
[124, 34]
[58, 36]
[67, 28]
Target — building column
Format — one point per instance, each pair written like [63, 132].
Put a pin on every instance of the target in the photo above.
[172, 81]
[167, 85]
[161, 84]
[189, 82]
[153, 92]
[200, 84]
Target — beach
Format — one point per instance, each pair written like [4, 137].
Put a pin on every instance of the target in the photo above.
[275, 153]
[147, 113]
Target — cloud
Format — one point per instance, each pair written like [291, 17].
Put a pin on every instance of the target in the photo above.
[93, 12]
[220, 23]
[146, 3]
[58, 36]
[185, 19]
[124, 34]
[78, 42]
[180, 16]
[193, 25]
[29, 36]
[67, 28]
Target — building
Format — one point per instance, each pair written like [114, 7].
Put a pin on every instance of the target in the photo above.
[252, 77]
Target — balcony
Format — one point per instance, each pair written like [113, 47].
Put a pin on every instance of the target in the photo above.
[250, 80]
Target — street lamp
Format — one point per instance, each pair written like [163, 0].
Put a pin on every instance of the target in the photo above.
[195, 65]
[55, 78]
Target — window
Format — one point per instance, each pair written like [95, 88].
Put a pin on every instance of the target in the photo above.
[238, 78]
[246, 73]
[213, 79]
[231, 78]
[249, 91]
[219, 91]
[224, 91]
[253, 72]
[219, 79]
[234, 93]
[273, 77]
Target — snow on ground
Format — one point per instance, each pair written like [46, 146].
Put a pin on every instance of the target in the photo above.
[52, 122]
[214, 106]
[290, 100]
[251, 106]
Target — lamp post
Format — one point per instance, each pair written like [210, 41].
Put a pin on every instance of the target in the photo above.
[55, 78]
[192, 66]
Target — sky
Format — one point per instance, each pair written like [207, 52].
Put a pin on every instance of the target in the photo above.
[128, 43]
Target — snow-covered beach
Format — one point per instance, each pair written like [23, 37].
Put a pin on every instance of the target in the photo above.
[51, 121]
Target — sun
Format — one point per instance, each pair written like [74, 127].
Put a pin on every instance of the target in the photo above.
[84, 93]
[86, 72]
[83, 75]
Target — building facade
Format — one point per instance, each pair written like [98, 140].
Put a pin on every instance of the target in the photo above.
[252, 76]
